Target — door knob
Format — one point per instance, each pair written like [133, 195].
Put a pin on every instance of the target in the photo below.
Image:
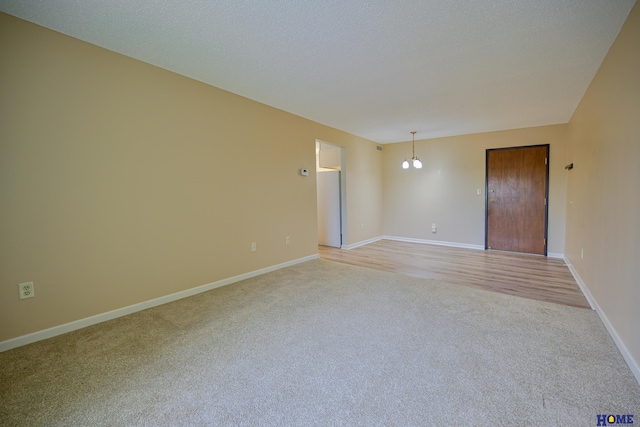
[491, 200]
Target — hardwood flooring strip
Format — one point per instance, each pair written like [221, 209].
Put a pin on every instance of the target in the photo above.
[529, 276]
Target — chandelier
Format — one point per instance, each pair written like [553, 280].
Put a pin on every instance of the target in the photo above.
[416, 162]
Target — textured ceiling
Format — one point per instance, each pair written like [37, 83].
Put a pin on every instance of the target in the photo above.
[378, 68]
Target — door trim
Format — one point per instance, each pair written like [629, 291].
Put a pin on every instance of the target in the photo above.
[546, 193]
[344, 238]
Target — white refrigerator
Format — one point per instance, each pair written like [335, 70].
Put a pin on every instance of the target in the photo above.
[329, 227]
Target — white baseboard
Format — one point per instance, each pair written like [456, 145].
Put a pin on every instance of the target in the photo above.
[581, 284]
[631, 362]
[103, 317]
[434, 242]
[555, 255]
[361, 243]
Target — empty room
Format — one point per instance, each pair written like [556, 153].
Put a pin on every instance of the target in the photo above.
[319, 212]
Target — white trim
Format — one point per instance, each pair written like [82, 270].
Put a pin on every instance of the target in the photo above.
[434, 242]
[555, 255]
[631, 362]
[103, 317]
[581, 284]
[361, 243]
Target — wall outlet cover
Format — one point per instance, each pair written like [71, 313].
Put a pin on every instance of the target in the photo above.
[26, 290]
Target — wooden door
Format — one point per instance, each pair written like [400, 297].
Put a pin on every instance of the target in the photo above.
[516, 199]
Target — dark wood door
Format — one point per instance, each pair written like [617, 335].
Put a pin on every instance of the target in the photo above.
[516, 199]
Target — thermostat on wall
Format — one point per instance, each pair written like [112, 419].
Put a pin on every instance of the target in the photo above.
[304, 172]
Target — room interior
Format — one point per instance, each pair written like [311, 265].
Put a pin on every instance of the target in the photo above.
[125, 186]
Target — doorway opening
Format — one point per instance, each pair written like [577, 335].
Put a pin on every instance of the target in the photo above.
[331, 193]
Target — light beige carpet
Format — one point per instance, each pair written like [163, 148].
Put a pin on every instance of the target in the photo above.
[322, 343]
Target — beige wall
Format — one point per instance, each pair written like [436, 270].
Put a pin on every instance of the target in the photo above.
[121, 182]
[444, 190]
[603, 191]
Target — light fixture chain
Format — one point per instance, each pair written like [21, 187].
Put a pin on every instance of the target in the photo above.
[413, 145]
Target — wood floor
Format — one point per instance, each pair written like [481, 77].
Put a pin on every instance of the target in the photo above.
[528, 276]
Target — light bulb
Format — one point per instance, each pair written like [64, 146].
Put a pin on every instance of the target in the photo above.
[405, 164]
[417, 164]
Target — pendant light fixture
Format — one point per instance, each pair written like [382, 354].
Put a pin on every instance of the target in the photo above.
[416, 162]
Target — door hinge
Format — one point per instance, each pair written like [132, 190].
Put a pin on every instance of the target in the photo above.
[545, 241]
[545, 160]
[545, 201]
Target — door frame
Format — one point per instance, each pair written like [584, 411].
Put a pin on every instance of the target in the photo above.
[343, 186]
[546, 193]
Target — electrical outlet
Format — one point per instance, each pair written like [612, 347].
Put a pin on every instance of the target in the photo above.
[26, 290]
[287, 240]
[253, 247]
[433, 228]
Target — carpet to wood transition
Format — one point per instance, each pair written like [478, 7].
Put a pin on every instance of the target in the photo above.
[322, 343]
